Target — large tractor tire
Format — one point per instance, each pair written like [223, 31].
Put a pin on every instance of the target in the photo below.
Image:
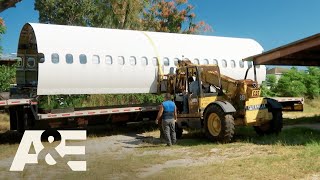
[272, 127]
[218, 125]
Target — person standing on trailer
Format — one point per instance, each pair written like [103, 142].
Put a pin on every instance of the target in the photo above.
[168, 112]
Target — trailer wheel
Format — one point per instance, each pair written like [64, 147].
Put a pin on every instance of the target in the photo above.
[272, 127]
[21, 118]
[219, 126]
[29, 120]
[179, 131]
[13, 118]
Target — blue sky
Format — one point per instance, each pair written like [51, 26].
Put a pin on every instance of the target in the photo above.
[270, 22]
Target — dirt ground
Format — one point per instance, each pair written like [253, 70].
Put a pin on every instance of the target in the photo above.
[122, 145]
[131, 144]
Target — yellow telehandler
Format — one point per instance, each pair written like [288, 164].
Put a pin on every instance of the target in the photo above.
[221, 103]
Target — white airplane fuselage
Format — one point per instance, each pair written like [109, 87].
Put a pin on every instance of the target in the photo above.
[85, 60]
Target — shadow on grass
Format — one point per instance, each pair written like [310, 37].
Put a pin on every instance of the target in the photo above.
[194, 138]
[302, 120]
[288, 137]
[124, 129]
[10, 137]
[13, 137]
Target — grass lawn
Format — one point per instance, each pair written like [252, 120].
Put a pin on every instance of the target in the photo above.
[293, 154]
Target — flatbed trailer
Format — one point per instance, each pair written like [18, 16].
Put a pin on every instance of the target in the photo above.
[290, 103]
[24, 114]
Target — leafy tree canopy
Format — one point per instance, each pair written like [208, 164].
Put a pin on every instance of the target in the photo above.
[5, 4]
[294, 83]
[155, 15]
[2, 30]
[172, 16]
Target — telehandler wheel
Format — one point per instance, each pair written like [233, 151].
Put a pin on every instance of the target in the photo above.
[272, 127]
[179, 131]
[218, 125]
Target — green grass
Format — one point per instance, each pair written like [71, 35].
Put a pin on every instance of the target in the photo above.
[78, 101]
[288, 137]
[281, 163]
[4, 123]
[292, 154]
[312, 105]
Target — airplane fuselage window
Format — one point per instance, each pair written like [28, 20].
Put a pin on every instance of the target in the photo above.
[205, 61]
[176, 61]
[166, 61]
[196, 61]
[69, 58]
[155, 61]
[19, 62]
[109, 60]
[83, 59]
[42, 60]
[224, 63]
[241, 64]
[95, 59]
[55, 58]
[132, 60]
[233, 64]
[121, 60]
[215, 61]
[144, 61]
[31, 62]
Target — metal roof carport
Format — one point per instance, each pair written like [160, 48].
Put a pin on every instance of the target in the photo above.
[304, 52]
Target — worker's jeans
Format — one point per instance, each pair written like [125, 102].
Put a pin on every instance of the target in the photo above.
[168, 126]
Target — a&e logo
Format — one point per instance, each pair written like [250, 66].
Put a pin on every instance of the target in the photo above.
[33, 138]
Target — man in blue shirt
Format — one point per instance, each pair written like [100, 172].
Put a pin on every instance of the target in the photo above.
[168, 112]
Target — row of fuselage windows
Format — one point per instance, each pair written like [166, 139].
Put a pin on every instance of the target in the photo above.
[144, 61]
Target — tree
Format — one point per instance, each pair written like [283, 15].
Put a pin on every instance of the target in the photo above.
[154, 15]
[172, 16]
[122, 14]
[271, 81]
[72, 12]
[7, 74]
[291, 83]
[268, 87]
[5, 4]
[2, 30]
[119, 14]
[7, 77]
[312, 82]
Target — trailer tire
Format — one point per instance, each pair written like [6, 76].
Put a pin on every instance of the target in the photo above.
[13, 118]
[21, 118]
[179, 131]
[218, 125]
[272, 127]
